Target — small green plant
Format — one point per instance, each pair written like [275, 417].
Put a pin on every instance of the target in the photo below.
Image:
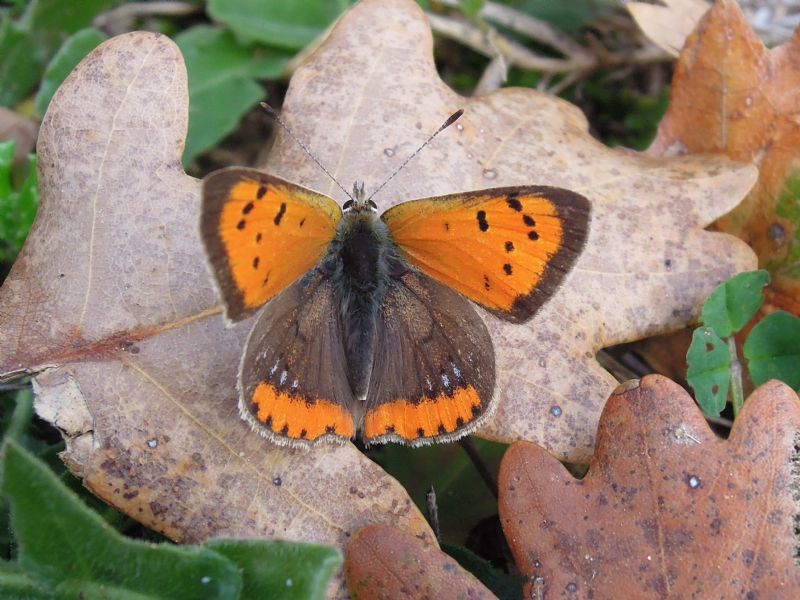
[64, 549]
[771, 351]
[17, 205]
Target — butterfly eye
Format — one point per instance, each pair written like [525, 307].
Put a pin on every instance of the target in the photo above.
[372, 205]
[347, 205]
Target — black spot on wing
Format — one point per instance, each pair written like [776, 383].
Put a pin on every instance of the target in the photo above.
[247, 208]
[483, 224]
[514, 203]
[261, 191]
[256, 260]
[509, 246]
[281, 212]
[507, 269]
[240, 225]
[528, 220]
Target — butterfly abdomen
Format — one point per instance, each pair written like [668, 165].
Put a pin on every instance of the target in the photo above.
[360, 253]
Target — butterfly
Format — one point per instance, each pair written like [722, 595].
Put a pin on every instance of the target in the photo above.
[366, 320]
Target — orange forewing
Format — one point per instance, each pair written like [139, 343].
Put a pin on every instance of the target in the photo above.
[262, 233]
[506, 249]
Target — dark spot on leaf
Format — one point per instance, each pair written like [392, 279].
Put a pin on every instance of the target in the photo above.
[507, 269]
[709, 347]
[714, 389]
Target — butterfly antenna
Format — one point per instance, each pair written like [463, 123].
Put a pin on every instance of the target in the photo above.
[450, 120]
[273, 115]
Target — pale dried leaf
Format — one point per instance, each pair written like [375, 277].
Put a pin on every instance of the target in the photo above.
[371, 95]
[668, 26]
[111, 304]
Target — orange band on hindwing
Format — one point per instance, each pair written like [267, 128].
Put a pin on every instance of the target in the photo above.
[428, 418]
[292, 417]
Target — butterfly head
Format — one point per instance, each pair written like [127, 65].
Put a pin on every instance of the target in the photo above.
[358, 202]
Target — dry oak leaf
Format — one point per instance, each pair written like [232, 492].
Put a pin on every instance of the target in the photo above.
[668, 25]
[371, 95]
[667, 509]
[383, 562]
[732, 95]
[111, 307]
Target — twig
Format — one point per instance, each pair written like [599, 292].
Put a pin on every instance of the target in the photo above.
[577, 60]
[493, 77]
[433, 513]
[477, 460]
[127, 12]
[737, 394]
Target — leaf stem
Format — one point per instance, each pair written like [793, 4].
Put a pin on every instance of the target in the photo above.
[737, 395]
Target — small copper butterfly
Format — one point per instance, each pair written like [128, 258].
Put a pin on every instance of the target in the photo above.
[366, 322]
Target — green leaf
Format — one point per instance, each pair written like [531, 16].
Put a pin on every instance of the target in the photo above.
[20, 66]
[733, 303]
[67, 58]
[66, 548]
[221, 83]
[504, 585]
[567, 16]
[289, 24]
[471, 8]
[16, 585]
[26, 45]
[709, 370]
[286, 570]
[788, 208]
[772, 349]
[17, 207]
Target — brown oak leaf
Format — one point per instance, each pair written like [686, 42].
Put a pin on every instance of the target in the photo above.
[383, 562]
[667, 509]
[732, 95]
